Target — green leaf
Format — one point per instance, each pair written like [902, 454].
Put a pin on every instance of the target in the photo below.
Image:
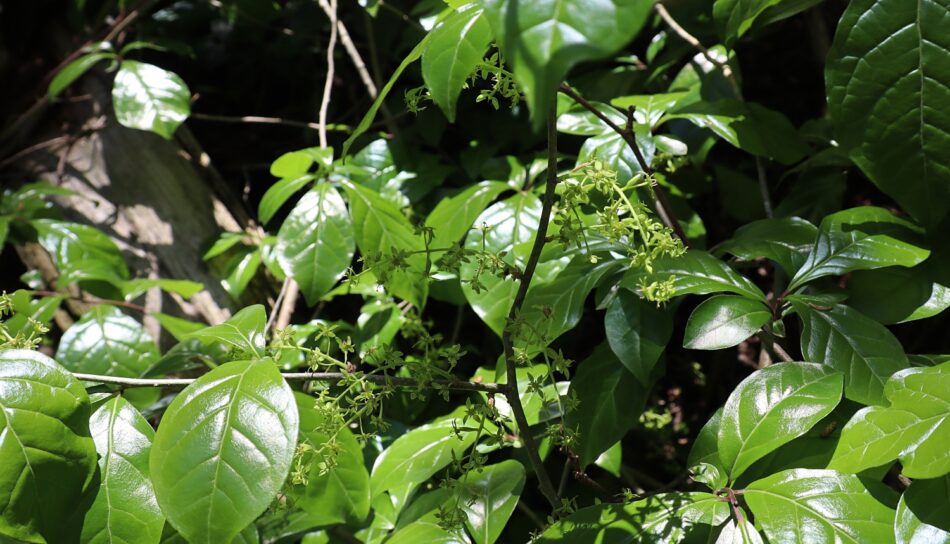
[696, 273]
[489, 497]
[125, 508]
[382, 230]
[863, 349]
[337, 486]
[861, 238]
[108, 342]
[72, 242]
[611, 400]
[611, 460]
[898, 295]
[133, 288]
[748, 126]
[370, 116]
[736, 17]
[637, 332]
[47, 452]
[886, 77]
[223, 450]
[415, 456]
[706, 447]
[543, 40]
[75, 69]
[818, 506]
[315, 244]
[786, 241]
[724, 321]
[427, 530]
[649, 108]
[277, 194]
[667, 517]
[772, 407]
[147, 97]
[455, 48]
[550, 309]
[452, 217]
[295, 164]
[923, 513]
[739, 533]
[179, 328]
[241, 269]
[915, 428]
[244, 332]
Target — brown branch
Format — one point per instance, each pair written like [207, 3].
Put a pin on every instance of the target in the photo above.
[692, 40]
[255, 119]
[90, 299]
[514, 398]
[455, 385]
[663, 205]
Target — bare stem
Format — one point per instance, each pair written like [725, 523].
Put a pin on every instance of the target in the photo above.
[663, 206]
[455, 385]
[514, 398]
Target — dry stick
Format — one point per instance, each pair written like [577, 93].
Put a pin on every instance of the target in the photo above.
[255, 119]
[514, 399]
[351, 50]
[291, 288]
[456, 385]
[663, 206]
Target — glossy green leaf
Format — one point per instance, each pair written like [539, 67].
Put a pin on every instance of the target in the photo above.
[223, 450]
[381, 230]
[736, 17]
[748, 126]
[429, 531]
[453, 217]
[455, 47]
[611, 400]
[724, 321]
[337, 486]
[415, 456]
[648, 108]
[915, 428]
[109, 342]
[48, 454]
[611, 460]
[706, 446]
[860, 239]
[543, 40]
[133, 288]
[176, 326]
[741, 532]
[75, 69]
[696, 273]
[898, 295]
[667, 517]
[489, 497]
[555, 307]
[863, 349]
[278, 194]
[772, 407]
[786, 241]
[244, 332]
[71, 242]
[295, 164]
[923, 513]
[125, 508]
[240, 270]
[887, 76]
[637, 332]
[315, 244]
[616, 154]
[819, 506]
[147, 97]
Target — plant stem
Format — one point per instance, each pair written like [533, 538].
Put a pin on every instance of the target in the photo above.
[514, 398]
[455, 385]
[663, 206]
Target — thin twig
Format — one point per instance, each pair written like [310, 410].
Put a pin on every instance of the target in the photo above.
[291, 290]
[764, 187]
[277, 303]
[514, 398]
[351, 50]
[455, 385]
[331, 68]
[663, 206]
[90, 300]
[256, 119]
[33, 148]
[692, 40]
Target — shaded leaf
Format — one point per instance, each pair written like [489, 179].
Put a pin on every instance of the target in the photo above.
[455, 48]
[637, 332]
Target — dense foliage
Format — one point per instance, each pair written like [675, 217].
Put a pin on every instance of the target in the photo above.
[606, 275]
